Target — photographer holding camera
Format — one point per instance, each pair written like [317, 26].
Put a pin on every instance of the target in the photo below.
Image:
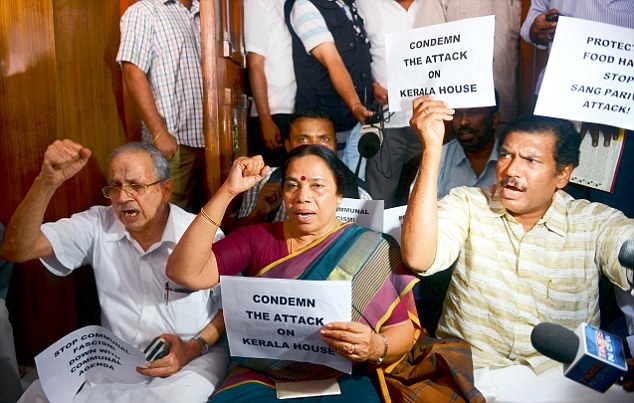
[400, 146]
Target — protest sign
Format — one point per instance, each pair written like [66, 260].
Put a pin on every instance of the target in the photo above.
[452, 61]
[393, 221]
[370, 214]
[92, 352]
[590, 74]
[280, 319]
[366, 213]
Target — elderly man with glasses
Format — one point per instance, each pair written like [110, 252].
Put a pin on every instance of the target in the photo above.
[127, 244]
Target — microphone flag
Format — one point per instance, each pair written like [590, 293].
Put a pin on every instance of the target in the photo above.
[600, 359]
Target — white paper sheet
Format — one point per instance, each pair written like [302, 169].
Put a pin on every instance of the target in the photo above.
[590, 74]
[92, 352]
[393, 221]
[366, 213]
[320, 387]
[281, 319]
[452, 61]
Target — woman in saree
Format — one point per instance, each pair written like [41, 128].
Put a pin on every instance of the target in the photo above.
[310, 245]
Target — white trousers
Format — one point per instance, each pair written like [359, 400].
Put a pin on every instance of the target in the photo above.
[519, 384]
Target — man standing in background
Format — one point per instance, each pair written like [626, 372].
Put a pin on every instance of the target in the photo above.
[271, 76]
[401, 145]
[331, 56]
[160, 57]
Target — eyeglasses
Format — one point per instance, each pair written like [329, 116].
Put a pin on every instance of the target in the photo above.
[130, 189]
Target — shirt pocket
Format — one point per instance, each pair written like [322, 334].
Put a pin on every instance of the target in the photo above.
[189, 310]
[568, 299]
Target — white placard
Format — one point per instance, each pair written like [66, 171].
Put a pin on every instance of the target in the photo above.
[393, 221]
[452, 61]
[590, 74]
[366, 213]
[92, 352]
[281, 319]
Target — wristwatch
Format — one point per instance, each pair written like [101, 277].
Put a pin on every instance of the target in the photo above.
[204, 346]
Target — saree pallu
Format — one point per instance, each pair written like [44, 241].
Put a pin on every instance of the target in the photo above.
[434, 371]
[380, 282]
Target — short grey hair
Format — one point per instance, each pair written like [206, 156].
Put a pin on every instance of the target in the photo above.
[160, 163]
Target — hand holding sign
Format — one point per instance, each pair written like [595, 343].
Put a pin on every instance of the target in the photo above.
[281, 319]
[599, 88]
[448, 61]
[350, 339]
[428, 118]
[593, 129]
[542, 31]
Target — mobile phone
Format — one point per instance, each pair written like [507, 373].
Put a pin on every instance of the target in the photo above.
[552, 17]
[158, 348]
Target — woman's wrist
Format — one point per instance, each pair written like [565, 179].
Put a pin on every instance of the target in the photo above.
[383, 345]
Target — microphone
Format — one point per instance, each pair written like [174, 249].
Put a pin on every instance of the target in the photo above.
[626, 254]
[370, 141]
[591, 356]
[371, 134]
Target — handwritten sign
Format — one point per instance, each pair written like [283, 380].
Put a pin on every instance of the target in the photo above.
[366, 213]
[280, 319]
[452, 61]
[92, 352]
[590, 74]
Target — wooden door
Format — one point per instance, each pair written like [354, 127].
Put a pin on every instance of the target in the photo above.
[532, 61]
[224, 61]
[59, 80]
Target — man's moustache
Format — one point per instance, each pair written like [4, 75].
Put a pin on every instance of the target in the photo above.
[513, 183]
[465, 129]
[126, 206]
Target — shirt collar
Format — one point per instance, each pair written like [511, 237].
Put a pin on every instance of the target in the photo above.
[195, 8]
[493, 157]
[555, 219]
[116, 231]
[495, 205]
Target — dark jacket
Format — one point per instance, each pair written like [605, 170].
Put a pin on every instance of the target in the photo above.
[314, 87]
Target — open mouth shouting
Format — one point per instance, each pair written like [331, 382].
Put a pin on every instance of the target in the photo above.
[128, 213]
[512, 189]
[304, 215]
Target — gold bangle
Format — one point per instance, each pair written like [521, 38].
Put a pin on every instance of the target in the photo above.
[204, 214]
[155, 138]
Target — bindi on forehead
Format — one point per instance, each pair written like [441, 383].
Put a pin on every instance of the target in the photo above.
[304, 178]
